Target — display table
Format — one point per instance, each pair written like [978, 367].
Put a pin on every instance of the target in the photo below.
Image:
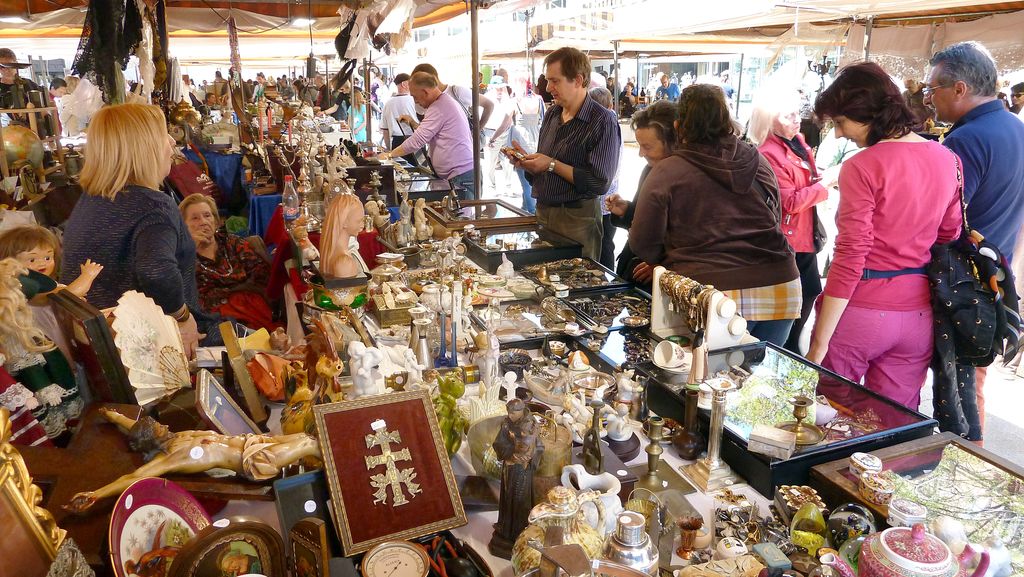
[225, 170]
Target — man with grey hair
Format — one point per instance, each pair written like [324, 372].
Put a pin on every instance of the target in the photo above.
[962, 88]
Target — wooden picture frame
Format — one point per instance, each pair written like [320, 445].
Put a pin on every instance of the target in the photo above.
[92, 344]
[231, 547]
[301, 497]
[251, 396]
[310, 554]
[394, 472]
[484, 212]
[30, 534]
[218, 409]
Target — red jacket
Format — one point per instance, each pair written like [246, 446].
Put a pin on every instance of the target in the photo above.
[798, 192]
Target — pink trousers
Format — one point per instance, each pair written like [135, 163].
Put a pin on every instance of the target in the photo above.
[890, 350]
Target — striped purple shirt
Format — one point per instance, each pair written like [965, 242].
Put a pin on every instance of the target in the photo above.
[589, 143]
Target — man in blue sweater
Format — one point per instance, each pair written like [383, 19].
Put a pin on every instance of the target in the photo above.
[962, 88]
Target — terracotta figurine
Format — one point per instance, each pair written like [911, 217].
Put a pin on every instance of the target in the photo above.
[254, 457]
[343, 222]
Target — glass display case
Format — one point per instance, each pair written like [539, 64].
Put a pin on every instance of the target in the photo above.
[769, 378]
[579, 274]
[521, 245]
[608, 308]
[950, 477]
[480, 213]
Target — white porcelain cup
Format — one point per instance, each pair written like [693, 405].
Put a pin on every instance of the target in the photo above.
[669, 354]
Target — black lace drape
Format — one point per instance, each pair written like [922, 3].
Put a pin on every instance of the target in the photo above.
[112, 31]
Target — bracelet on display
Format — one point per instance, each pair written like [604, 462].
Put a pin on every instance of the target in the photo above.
[690, 298]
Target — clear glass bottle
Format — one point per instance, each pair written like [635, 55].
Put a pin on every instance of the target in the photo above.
[290, 201]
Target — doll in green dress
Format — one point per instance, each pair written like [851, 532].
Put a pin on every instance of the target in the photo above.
[30, 357]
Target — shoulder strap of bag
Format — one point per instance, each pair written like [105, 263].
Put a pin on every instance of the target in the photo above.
[960, 193]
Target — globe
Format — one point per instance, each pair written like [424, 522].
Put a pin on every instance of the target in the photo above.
[20, 143]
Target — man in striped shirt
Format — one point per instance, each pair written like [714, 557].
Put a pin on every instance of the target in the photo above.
[577, 154]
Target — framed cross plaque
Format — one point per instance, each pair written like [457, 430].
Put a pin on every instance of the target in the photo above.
[384, 460]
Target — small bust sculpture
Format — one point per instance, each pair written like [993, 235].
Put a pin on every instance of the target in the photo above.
[344, 220]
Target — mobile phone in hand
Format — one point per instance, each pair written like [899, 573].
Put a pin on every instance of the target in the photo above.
[513, 154]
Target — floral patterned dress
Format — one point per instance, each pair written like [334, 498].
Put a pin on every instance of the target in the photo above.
[228, 284]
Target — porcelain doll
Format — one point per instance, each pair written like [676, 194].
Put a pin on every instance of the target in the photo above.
[32, 359]
[343, 222]
[618, 424]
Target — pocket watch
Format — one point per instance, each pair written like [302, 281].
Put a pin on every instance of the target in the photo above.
[396, 559]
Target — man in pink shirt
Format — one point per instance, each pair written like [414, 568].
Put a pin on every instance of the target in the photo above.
[445, 128]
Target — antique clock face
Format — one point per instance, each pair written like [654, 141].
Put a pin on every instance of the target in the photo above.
[396, 559]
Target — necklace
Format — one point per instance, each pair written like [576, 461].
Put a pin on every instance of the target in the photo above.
[214, 269]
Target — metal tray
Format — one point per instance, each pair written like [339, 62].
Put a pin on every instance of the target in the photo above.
[571, 273]
[522, 245]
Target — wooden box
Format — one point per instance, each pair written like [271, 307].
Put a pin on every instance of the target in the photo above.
[866, 421]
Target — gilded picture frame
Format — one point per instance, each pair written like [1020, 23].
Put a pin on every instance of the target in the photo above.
[31, 536]
[251, 396]
[416, 493]
[216, 407]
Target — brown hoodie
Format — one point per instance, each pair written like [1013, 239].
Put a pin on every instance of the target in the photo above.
[702, 215]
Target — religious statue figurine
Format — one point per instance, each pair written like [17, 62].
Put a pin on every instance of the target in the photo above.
[364, 365]
[343, 222]
[519, 448]
[253, 457]
[593, 460]
[406, 236]
[423, 229]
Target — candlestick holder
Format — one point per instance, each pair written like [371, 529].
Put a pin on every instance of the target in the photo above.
[655, 432]
[806, 433]
[711, 473]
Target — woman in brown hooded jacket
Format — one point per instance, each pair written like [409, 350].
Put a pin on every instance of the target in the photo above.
[710, 211]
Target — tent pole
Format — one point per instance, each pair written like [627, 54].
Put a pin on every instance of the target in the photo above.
[615, 84]
[739, 85]
[867, 39]
[367, 105]
[474, 35]
[529, 55]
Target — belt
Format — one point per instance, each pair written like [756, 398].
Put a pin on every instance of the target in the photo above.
[570, 204]
[878, 274]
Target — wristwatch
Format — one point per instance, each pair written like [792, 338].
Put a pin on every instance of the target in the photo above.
[551, 166]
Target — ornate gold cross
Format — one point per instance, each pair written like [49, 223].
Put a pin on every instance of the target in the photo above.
[392, 476]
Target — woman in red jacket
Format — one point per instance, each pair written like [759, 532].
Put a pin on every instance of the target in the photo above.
[775, 128]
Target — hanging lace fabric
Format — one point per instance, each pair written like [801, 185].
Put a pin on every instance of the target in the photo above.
[110, 34]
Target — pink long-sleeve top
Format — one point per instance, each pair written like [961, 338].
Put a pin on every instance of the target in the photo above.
[897, 199]
[446, 129]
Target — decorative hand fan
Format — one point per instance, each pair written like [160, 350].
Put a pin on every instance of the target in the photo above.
[151, 348]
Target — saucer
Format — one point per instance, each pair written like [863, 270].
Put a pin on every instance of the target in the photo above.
[680, 370]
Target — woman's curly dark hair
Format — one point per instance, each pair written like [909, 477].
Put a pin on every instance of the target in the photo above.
[703, 115]
[865, 93]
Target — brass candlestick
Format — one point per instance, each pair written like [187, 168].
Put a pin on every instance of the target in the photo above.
[655, 433]
[806, 433]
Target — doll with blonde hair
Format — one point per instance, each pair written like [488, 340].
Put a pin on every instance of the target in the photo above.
[38, 250]
[32, 359]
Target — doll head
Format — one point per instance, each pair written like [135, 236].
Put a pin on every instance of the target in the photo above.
[16, 322]
[35, 247]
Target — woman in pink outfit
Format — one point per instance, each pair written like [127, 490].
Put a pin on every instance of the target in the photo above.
[898, 198]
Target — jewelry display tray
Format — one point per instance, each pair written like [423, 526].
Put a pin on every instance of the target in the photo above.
[487, 255]
[866, 421]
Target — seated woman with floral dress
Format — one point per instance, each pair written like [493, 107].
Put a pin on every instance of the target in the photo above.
[231, 274]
